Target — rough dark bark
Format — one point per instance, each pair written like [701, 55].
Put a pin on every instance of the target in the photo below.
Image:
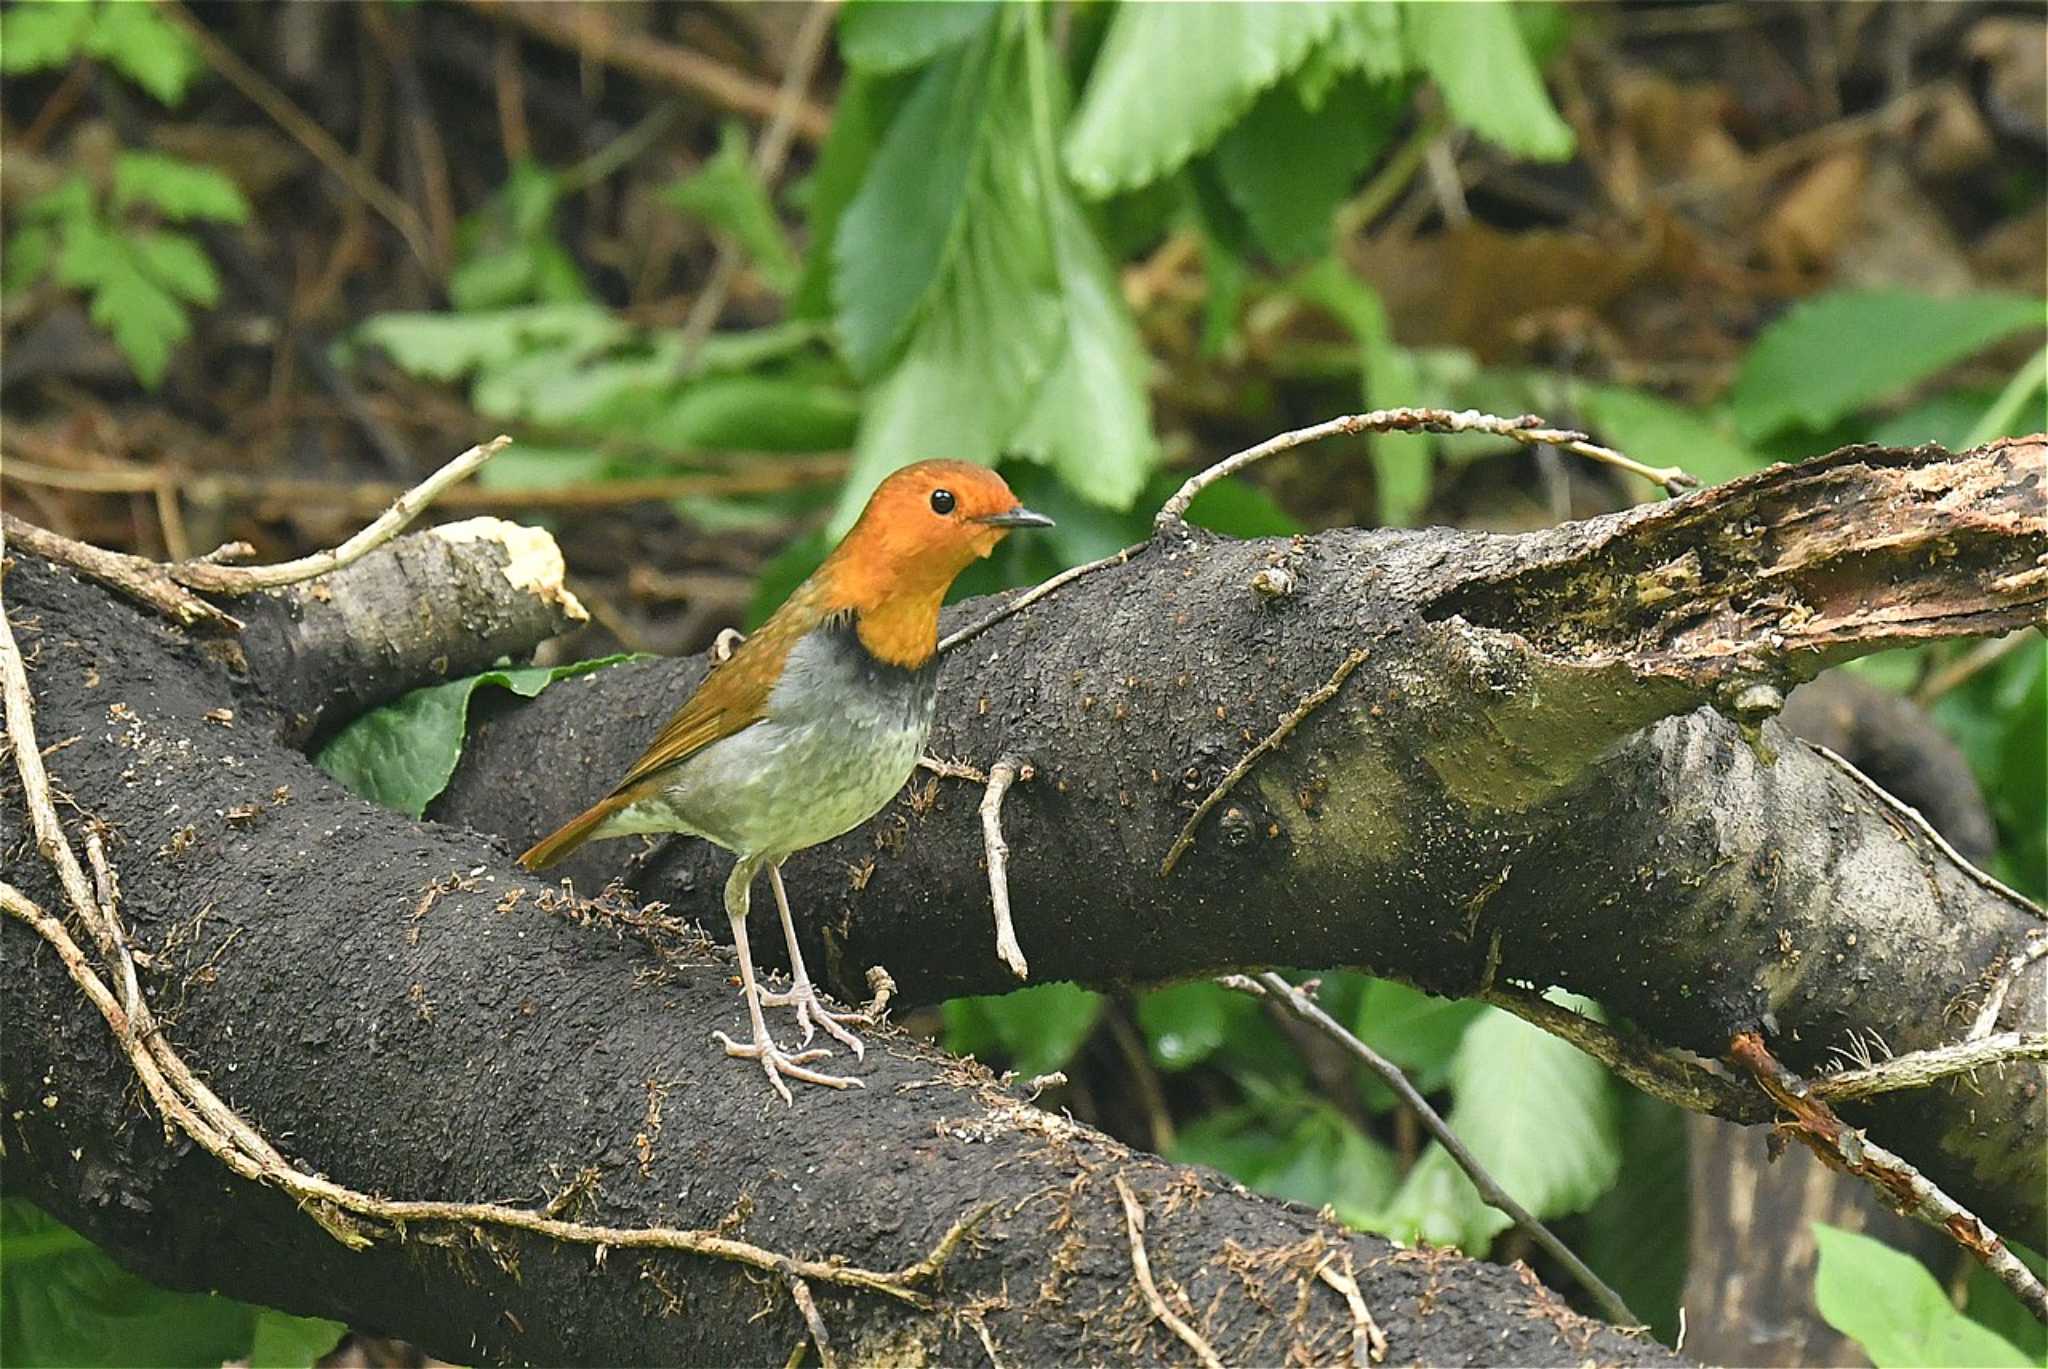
[398, 1011]
[1514, 777]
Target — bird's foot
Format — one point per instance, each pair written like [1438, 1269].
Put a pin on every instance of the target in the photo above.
[775, 1064]
[812, 1014]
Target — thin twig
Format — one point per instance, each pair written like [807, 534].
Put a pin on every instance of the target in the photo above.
[1495, 1196]
[1918, 1069]
[134, 577]
[1368, 1342]
[1842, 1147]
[807, 1308]
[1037, 592]
[1994, 1002]
[769, 155]
[1141, 1265]
[1001, 776]
[1315, 699]
[390, 206]
[1527, 430]
[1969, 664]
[394, 520]
[1926, 829]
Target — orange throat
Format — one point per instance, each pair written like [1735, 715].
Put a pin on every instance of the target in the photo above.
[900, 629]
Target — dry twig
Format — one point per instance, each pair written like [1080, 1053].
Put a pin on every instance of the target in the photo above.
[1921, 1068]
[1368, 1342]
[1994, 1002]
[1000, 776]
[1141, 1265]
[807, 1308]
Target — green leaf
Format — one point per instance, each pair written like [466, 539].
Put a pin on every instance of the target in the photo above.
[1187, 1023]
[1171, 78]
[1367, 38]
[1836, 353]
[1417, 1031]
[1479, 59]
[1091, 420]
[867, 106]
[41, 34]
[401, 755]
[1510, 1082]
[176, 188]
[726, 194]
[1659, 433]
[1289, 200]
[449, 346]
[1945, 417]
[1992, 1305]
[1037, 1030]
[890, 35]
[1326, 1160]
[63, 1302]
[148, 49]
[757, 413]
[905, 226]
[30, 253]
[72, 198]
[282, 1341]
[177, 263]
[1403, 463]
[1890, 1305]
[144, 319]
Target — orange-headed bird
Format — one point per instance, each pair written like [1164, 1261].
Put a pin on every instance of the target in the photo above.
[815, 722]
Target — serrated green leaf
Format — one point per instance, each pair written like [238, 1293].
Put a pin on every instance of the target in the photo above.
[1511, 1081]
[867, 105]
[401, 755]
[1290, 200]
[1133, 127]
[148, 49]
[1091, 420]
[726, 194]
[882, 36]
[177, 263]
[176, 188]
[905, 226]
[38, 34]
[1836, 353]
[1479, 58]
[1366, 38]
[1659, 433]
[1037, 1030]
[1890, 1305]
[145, 320]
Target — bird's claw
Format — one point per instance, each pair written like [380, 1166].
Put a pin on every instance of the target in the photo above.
[812, 1014]
[775, 1064]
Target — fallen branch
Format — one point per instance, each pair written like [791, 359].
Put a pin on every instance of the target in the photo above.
[1141, 1266]
[1001, 776]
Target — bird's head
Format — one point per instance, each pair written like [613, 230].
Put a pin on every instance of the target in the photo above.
[923, 525]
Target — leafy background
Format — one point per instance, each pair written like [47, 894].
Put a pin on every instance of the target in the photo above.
[1713, 236]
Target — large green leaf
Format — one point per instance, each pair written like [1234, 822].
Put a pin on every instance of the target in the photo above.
[726, 194]
[890, 35]
[1289, 198]
[1171, 78]
[1836, 353]
[1510, 1082]
[1890, 1305]
[402, 754]
[905, 226]
[1480, 60]
[38, 34]
[64, 1303]
[1417, 1031]
[1037, 1030]
[176, 188]
[1659, 433]
[867, 106]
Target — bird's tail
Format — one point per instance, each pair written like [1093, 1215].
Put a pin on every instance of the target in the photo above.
[571, 834]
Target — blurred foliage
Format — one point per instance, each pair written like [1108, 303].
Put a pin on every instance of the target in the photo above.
[950, 277]
[62, 1302]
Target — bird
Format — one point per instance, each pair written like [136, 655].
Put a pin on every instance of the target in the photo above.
[813, 723]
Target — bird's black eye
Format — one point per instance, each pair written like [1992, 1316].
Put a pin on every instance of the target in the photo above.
[942, 501]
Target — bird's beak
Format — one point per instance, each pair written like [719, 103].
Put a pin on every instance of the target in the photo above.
[1019, 517]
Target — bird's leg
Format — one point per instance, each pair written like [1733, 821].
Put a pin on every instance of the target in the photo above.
[803, 995]
[763, 1048]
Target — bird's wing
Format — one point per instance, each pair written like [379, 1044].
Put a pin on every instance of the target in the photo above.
[733, 697]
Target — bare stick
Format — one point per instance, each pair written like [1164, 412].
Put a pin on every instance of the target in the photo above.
[394, 520]
[1920, 824]
[1527, 430]
[1368, 1342]
[1905, 1188]
[1000, 776]
[1306, 1008]
[769, 155]
[1994, 1002]
[807, 1307]
[1316, 698]
[1037, 592]
[1921, 1068]
[133, 577]
[1141, 1265]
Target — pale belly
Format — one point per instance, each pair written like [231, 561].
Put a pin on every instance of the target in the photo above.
[839, 742]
